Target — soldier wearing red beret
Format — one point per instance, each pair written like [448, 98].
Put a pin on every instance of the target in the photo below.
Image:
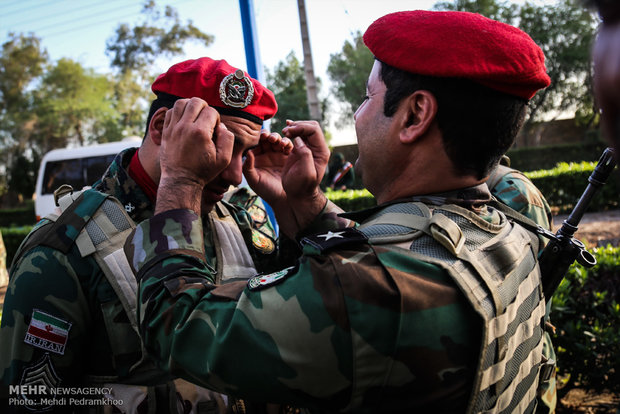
[429, 302]
[70, 314]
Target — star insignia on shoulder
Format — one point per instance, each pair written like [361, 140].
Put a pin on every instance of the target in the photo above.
[331, 235]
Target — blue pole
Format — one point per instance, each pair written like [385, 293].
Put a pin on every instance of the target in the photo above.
[255, 67]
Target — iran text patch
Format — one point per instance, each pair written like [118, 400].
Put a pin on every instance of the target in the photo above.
[47, 332]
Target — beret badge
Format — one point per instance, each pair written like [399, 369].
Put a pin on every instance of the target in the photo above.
[236, 90]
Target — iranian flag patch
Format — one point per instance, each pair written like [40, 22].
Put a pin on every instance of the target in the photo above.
[47, 332]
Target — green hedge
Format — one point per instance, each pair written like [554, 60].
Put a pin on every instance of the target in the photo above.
[12, 239]
[535, 158]
[21, 216]
[586, 314]
[563, 185]
[351, 200]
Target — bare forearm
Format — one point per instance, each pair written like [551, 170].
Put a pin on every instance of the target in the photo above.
[175, 194]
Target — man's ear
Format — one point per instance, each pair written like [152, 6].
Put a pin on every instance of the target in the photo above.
[156, 125]
[420, 113]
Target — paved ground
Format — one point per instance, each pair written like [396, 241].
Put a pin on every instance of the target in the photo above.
[598, 229]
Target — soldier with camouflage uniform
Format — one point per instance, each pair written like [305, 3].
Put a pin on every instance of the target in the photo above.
[69, 315]
[432, 303]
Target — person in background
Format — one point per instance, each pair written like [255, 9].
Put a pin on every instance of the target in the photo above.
[341, 174]
[428, 302]
[70, 312]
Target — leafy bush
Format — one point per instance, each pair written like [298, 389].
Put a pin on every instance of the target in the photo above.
[351, 200]
[563, 185]
[534, 158]
[586, 313]
[22, 216]
[12, 239]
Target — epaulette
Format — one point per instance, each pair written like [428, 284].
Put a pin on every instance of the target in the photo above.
[342, 237]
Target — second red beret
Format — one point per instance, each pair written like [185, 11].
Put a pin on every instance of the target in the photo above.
[460, 45]
[229, 90]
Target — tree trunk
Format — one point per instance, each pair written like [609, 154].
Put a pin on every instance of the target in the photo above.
[311, 85]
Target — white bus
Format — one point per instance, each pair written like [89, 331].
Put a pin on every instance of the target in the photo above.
[77, 167]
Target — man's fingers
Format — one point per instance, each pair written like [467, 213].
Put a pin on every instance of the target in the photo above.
[301, 151]
[224, 142]
[286, 145]
[309, 131]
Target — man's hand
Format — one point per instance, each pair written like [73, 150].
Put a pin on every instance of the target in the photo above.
[290, 182]
[264, 166]
[195, 148]
[308, 161]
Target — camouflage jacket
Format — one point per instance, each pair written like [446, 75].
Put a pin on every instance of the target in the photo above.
[71, 293]
[351, 326]
[514, 189]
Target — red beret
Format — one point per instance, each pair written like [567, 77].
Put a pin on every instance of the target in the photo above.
[460, 45]
[229, 90]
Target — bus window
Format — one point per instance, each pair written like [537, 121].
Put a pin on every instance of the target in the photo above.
[96, 166]
[62, 172]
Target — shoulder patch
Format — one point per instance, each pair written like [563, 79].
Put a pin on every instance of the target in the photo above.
[263, 281]
[47, 332]
[332, 239]
[262, 242]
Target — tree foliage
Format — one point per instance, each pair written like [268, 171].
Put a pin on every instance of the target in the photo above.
[133, 51]
[74, 104]
[22, 62]
[46, 105]
[288, 83]
[23, 174]
[162, 34]
[349, 70]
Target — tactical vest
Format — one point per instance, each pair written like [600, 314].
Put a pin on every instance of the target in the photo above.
[496, 269]
[234, 261]
[99, 225]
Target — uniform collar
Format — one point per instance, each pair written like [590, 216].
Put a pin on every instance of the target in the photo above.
[117, 182]
[472, 198]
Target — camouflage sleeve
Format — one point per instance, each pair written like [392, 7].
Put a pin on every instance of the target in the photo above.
[44, 320]
[519, 193]
[230, 338]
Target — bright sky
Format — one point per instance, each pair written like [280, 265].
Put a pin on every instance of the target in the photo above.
[79, 29]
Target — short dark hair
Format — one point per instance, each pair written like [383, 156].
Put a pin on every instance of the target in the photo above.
[163, 100]
[478, 124]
